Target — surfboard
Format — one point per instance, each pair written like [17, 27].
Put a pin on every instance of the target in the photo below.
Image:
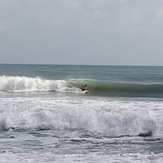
[86, 92]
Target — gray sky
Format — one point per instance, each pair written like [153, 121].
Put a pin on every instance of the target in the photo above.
[105, 32]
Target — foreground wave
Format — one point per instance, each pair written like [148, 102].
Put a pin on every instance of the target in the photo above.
[99, 88]
[90, 117]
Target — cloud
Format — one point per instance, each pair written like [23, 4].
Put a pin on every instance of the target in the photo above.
[159, 16]
[80, 26]
[7, 3]
[113, 17]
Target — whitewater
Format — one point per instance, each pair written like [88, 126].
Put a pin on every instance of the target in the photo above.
[45, 117]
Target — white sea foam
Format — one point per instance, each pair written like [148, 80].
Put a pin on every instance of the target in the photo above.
[79, 129]
[27, 84]
[32, 157]
[96, 117]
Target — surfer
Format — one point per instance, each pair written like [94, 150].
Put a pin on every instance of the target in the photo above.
[84, 87]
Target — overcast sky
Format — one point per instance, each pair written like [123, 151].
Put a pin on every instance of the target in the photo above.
[104, 32]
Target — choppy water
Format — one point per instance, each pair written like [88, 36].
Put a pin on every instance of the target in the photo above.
[45, 117]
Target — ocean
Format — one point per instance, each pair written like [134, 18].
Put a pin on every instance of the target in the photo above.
[46, 117]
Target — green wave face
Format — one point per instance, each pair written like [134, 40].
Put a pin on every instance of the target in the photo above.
[119, 89]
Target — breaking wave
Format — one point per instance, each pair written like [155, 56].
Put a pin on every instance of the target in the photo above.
[121, 89]
[95, 88]
[27, 84]
[93, 117]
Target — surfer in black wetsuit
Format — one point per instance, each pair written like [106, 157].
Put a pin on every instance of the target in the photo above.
[84, 87]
